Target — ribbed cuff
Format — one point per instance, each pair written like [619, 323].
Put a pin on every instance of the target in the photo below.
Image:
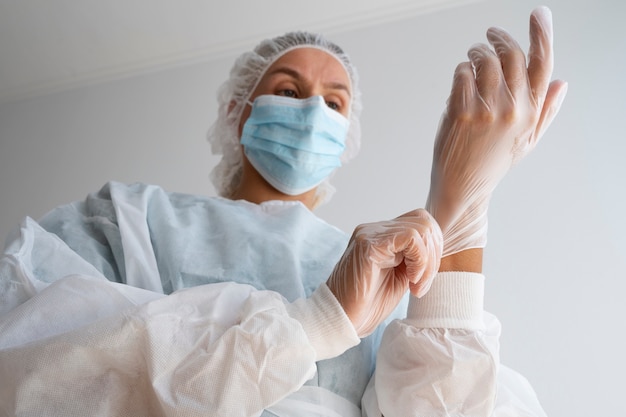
[454, 301]
[327, 326]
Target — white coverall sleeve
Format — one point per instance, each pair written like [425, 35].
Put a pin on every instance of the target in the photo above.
[84, 346]
[443, 359]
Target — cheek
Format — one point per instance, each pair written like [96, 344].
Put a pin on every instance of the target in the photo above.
[242, 120]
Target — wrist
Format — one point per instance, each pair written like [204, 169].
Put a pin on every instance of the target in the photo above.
[464, 226]
[468, 260]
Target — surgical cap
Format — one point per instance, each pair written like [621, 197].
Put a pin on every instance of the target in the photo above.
[233, 95]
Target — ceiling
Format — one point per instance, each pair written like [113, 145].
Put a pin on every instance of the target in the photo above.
[50, 46]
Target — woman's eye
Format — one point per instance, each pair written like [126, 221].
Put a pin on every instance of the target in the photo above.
[333, 105]
[288, 93]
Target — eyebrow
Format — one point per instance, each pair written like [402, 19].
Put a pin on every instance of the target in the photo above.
[335, 85]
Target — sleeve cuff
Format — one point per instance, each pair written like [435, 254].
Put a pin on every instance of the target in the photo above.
[454, 301]
[327, 326]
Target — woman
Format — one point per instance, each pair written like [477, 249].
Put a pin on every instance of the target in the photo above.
[266, 304]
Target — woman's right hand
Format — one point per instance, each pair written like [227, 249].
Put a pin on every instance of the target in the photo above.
[382, 261]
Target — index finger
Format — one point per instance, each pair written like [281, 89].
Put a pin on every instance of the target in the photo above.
[463, 93]
[540, 53]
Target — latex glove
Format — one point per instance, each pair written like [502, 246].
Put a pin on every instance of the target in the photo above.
[382, 261]
[496, 113]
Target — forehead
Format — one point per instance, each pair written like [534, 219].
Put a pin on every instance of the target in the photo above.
[313, 64]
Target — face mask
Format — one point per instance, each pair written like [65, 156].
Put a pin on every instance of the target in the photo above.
[294, 144]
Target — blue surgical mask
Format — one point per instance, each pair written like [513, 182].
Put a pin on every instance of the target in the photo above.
[294, 144]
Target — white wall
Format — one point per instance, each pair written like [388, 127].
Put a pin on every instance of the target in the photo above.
[555, 260]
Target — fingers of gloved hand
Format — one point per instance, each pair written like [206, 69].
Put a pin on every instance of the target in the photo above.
[540, 53]
[422, 251]
[554, 98]
[463, 92]
[387, 244]
[430, 252]
[512, 59]
[411, 248]
[392, 236]
[488, 70]
[428, 230]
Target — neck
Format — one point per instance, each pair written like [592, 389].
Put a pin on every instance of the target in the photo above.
[255, 189]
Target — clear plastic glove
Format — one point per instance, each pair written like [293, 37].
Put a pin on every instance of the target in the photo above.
[496, 113]
[382, 261]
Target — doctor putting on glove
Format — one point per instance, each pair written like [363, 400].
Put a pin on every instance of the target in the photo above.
[248, 304]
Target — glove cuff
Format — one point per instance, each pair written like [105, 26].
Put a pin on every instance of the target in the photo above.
[325, 323]
[454, 301]
[463, 227]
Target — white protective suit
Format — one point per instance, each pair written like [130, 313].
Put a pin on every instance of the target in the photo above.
[138, 302]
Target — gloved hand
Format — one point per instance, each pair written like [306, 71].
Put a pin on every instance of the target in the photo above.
[496, 113]
[381, 262]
